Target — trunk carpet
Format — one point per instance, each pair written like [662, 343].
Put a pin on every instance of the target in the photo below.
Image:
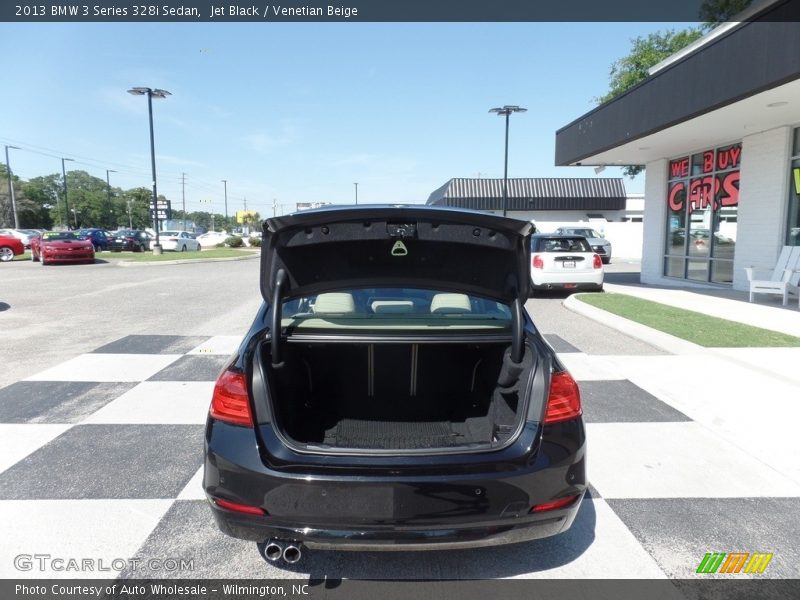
[393, 435]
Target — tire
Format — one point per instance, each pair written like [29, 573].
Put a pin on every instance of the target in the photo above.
[606, 260]
[41, 260]
[183, 248]
[96, 248]
[33, 256]
[6, 254]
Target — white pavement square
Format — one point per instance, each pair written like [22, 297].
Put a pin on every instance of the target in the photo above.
[99, 530]
[585, 367]
[609, 538]
[194, 489]
[219, 344]
[676, 460]
[19, 440]
[107, 367]
[162, 402]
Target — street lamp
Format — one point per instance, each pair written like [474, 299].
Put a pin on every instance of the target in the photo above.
[11, 188]
[108, 191]
[151, 93]
[356, 184]
[506, 112]
[66, 199]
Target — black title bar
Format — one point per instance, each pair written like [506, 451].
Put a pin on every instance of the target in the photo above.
[358, 10]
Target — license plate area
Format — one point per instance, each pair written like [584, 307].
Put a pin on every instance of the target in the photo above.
[568, 264]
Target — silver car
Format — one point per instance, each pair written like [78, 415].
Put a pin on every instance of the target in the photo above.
[600, 245]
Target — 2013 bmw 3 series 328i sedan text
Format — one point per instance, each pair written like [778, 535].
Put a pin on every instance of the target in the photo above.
[392, 393]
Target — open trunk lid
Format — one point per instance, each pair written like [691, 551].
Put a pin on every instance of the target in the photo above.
[386, 246]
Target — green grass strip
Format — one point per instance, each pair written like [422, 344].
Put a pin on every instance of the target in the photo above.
[150, 257]
[704, 330]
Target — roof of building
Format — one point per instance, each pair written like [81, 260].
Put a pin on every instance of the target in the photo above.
[711, 93]
[533, 193]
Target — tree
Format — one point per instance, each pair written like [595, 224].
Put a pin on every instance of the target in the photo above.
[43, 202]
[714, 12]
[648, 51]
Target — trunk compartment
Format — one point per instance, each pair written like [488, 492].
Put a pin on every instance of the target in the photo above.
[390, 396]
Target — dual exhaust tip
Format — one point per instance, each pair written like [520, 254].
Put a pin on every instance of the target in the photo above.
[275, 550]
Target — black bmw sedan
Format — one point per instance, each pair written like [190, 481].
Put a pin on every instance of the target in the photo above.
[392, 393]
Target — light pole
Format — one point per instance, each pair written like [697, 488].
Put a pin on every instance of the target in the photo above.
[151, 93]
[108, 191]
[225, 183]
[11, 188]
[66, 200]
[356, 184]
[506, 112]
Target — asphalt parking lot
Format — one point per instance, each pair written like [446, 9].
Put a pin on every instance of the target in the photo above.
[108, 373]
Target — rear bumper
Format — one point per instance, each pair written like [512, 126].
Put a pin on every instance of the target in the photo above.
[586, 280]
[431, 507]
[394, 538]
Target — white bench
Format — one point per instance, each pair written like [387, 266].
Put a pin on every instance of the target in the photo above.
[784, 279]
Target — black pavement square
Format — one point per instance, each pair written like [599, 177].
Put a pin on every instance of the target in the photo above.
[56, 401]
[108, 461]
[559, 344]
[624, 402]
[152, 344]
[195, 367]
[678, 532]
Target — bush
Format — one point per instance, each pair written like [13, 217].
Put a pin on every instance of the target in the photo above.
[234, 241]
[255, 242]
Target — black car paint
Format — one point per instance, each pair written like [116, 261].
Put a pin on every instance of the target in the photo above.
[422, 501]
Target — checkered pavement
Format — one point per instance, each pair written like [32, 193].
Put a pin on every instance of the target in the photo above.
[100, 457]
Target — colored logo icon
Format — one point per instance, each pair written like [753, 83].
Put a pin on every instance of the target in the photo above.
[734, 562]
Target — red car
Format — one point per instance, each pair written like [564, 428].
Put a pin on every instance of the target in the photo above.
[10, 247]
[62, 247]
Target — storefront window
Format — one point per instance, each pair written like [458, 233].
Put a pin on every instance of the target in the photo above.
[793, 225]
[702, 205]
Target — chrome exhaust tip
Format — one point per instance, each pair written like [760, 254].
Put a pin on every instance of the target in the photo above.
[273, 551]
[292, 554]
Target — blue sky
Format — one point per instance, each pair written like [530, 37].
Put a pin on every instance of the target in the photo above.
[297, 112]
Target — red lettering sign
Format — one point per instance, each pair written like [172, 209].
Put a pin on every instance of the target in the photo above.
[679, 168]
[708, 161]
[730, 189]
[677, 196]
[729, 158]
[702, 192]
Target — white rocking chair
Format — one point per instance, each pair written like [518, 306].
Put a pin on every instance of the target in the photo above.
[784, 278]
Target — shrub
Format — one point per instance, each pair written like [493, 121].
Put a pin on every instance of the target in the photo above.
[255, 242]
[234, 241]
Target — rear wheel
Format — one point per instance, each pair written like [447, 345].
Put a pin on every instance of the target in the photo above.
[33, 256]
[606, 260]
[6, 253]
[183, 248]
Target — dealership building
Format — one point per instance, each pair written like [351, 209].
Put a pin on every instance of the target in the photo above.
[717, 126]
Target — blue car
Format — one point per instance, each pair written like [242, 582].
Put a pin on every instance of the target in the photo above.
[101, 239]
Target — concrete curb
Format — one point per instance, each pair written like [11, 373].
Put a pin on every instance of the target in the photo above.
[186, 261]
[659, 339]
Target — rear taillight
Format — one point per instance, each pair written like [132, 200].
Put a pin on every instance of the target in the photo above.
[230, 402]
[564, 400]
[597, 262]
[561, 503]
[240, 508]
[537, 262]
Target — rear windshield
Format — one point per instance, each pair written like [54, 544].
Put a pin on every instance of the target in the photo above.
[589, 233]
[395, 308]
[561, 244]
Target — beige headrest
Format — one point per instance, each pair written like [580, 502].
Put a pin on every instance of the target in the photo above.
[451, 303]
[335, 302]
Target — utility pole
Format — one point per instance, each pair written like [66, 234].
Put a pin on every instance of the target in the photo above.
[66, 200]
[274, 207]
[130, 217]
[183, 195]
[108, 191]
[11, 189]
[356, 184]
